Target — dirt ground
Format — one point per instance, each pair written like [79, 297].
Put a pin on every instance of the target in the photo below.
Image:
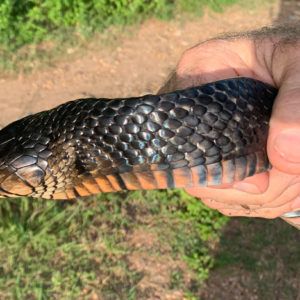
[138, 63]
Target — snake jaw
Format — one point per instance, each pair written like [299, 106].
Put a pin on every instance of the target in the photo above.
[20, 177]
[14, 186]
[19, 172]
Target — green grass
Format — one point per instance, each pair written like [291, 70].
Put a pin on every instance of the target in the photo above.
[33, 33]
[54, 248]
[66, 250]
[30, 21]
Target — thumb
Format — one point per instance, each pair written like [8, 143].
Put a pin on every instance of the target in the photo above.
[284, 133]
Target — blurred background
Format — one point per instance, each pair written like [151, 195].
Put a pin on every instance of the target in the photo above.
[129, 245]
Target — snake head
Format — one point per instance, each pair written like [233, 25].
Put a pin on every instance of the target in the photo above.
[20, 173]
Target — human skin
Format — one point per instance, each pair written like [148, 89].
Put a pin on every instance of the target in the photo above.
[272, 56]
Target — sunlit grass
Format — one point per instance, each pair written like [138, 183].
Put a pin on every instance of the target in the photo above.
[54, 29]
[69, 249]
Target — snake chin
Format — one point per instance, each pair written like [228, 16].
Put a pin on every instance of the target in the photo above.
[19, 172]
[20, 182]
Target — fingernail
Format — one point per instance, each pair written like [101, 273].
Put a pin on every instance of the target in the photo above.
[296, 204]
[246, 187]
[287, 144]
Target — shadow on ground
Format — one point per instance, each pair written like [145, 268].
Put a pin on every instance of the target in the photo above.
[256, 259]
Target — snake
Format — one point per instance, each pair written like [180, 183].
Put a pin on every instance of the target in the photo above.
[201, 136]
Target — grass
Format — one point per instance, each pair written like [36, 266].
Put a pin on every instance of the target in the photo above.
[68, 250]
[84, 249]
[34, 35]
[32, 21]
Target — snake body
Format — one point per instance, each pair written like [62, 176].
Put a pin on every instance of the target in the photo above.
[201, 136]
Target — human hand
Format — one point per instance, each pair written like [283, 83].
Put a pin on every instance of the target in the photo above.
[272, 56]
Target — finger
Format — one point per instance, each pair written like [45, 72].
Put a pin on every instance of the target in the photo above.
[214, 204]
[224, 58]
[296, 204]
[278, 182]
[288, 196]
[269, 213]
[216, 60]
[256, 184]
[272, 209]
[284, 134]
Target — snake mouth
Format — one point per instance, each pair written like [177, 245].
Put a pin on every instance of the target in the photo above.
[13, 186]
[20, 182]
[6, 194]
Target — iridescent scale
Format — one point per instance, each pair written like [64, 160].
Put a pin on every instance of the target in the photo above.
[206, 135]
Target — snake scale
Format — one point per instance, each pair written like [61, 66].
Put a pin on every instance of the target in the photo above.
[202, 136]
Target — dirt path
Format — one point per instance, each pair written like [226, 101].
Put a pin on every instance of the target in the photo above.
[138, 65]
